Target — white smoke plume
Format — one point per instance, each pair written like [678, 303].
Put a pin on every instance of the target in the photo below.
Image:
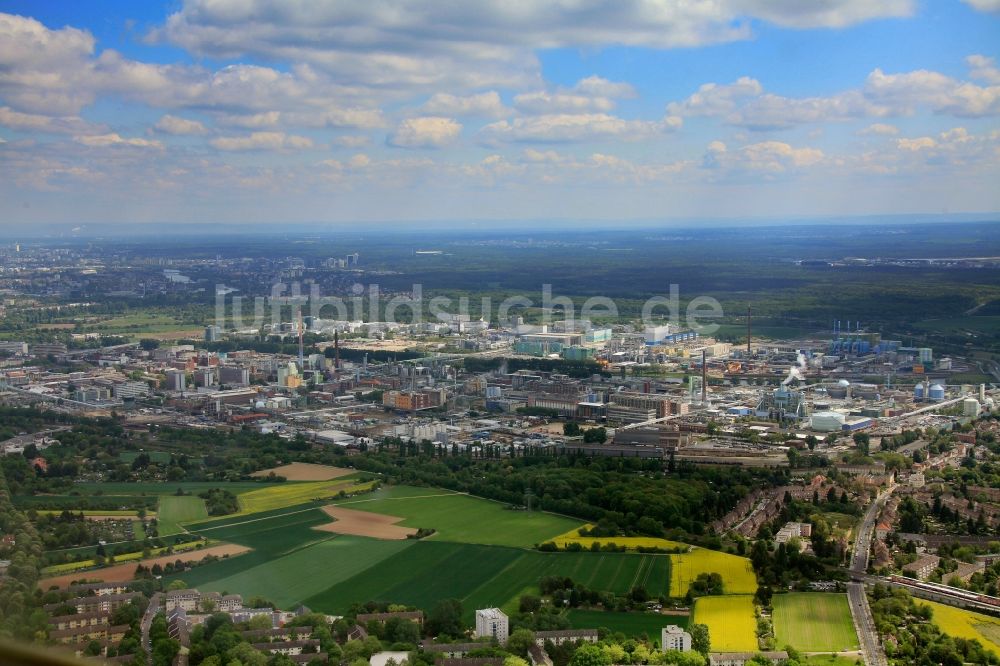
[795, 371]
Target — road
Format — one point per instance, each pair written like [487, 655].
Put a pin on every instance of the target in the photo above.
[864, 624]
[861, 613]
[147, 622]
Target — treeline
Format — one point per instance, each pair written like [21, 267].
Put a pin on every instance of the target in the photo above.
[626, 496]
[20, 616]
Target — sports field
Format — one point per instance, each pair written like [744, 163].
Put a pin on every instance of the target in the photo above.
[635, 625]
[631, 543]
[737, 572]
[814, 622]
[463, 518]
[961, 623]
[176, 509]
[732, 626]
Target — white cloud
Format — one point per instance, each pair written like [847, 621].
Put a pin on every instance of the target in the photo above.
[114, 139]
[262, 141]
[486, 104]
[915, 144]
[983, 68]
[765, 156]
[179, 126]
[590, 94]
[745, 104]
[601, 87]
[464, 46]
[984, 5]
[714, 99]
[40, 123]
[425, 132]
[351, 141]
[879, 129]
[575, 127]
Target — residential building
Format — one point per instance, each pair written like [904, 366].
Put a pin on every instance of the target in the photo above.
[673, 637]
[492, 623]
[560, 636]
[922, 567]
[741, 658]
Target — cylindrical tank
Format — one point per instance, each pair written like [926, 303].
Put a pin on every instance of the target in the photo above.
[918, 392]
[936, 392]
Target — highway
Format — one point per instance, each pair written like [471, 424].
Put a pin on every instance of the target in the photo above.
[861, 613]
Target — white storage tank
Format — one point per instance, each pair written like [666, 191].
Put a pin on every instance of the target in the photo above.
[827, 421]
[970, 407]
[936, 392]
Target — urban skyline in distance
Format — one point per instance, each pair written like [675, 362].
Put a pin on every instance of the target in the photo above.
[256, 113]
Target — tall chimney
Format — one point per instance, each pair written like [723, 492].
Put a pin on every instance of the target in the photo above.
[748, 331]
[704, 378]
[336, 349]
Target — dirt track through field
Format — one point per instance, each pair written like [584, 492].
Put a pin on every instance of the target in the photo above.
[364, 523]
[121, 573]
[306, 472]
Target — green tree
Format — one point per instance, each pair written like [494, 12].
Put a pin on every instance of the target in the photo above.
[519, 641]
[590, 655]
[445, 618]
[700, 640]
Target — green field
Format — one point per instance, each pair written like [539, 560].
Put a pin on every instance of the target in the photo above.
[737, 572]
[169, 488]
[463, 518]
[293, 577]
[814, 622]
[830, 660]
[961, 623]
[732, 626]
[291, 563]
[174, 510]
[483, 576]
[635, 625]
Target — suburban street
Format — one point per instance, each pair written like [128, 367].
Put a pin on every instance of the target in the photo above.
[861, 613]
[147, 621]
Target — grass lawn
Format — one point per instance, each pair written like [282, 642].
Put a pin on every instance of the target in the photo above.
[732, 626]
[961, 623]
[737, 572]
[174, 510]
[635, 625]
[138, 530]
[814, 622]
[463, 518]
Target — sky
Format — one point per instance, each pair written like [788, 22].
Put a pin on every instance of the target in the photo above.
[353, 113]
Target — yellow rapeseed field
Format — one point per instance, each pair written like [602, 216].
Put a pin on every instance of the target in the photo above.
[732, 626]
[284, 495]
[737, 572]
[961, 623]
[630, 543]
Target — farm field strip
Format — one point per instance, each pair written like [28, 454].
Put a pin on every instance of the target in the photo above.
[737, 573]
[306, 472]
[174, 510]
[278, 497]
[732, 626]
[814, 622]
[291, 578]
[466, 519]
[483, 576]
[630, 543]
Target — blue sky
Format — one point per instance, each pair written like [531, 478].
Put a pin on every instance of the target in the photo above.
[263, 111]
